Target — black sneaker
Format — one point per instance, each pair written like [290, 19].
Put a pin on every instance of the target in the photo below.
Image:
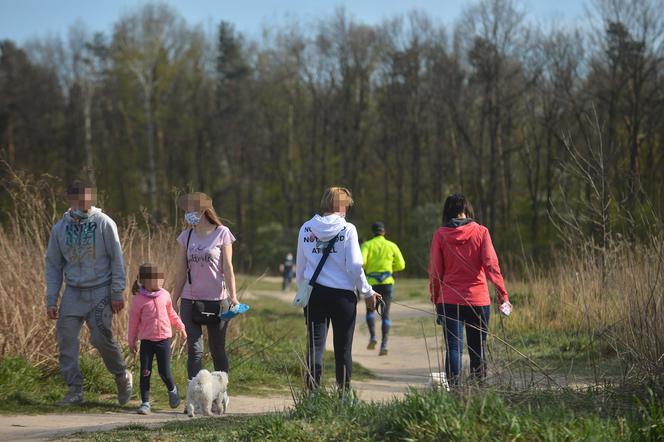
[74, 396]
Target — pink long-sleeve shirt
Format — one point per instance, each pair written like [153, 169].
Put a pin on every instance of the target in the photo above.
[462, 258]
[151, 316]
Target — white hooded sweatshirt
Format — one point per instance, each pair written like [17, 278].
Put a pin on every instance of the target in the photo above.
[343, 268]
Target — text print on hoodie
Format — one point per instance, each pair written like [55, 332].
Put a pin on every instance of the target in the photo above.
[343, 268]
[87, 252]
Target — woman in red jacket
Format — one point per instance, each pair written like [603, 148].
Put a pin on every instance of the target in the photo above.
[462, 257]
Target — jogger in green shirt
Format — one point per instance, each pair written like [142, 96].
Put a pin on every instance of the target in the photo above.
[382, 258]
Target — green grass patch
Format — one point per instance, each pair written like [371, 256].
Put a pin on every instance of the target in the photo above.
[411, 289]
[26, 389]
[466, 416]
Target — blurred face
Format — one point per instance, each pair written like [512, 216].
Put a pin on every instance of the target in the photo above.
[341, 203]
[152, 279]
[194, 203]
[82, 200]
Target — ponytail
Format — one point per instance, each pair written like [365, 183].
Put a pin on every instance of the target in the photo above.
[135, 287]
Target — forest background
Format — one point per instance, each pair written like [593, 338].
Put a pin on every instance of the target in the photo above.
[554, 132]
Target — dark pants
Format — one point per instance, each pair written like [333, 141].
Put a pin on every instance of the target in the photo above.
[385, 291]
[476, 321]
[162, 350]
[287, 279]
[195, 347]
[340, 308]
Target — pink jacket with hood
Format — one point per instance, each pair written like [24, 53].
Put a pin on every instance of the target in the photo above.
[151, 316]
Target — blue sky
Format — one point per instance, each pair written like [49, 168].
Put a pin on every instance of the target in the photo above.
[24, 19]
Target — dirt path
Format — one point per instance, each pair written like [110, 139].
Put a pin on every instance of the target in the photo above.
[50, 426]
[406, 365]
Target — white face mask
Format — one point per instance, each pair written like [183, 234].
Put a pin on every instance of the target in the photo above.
[192, 218]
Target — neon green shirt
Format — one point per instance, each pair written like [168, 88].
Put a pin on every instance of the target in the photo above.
[380, 255]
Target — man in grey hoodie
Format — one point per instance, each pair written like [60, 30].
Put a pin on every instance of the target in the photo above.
[84, 246]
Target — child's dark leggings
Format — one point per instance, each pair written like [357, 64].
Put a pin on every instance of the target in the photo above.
[162, 350]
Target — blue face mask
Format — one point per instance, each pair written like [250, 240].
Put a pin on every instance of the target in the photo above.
[80, 214]
[192, 218]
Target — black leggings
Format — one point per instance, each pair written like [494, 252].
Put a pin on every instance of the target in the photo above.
[161, 349]
[339, 307]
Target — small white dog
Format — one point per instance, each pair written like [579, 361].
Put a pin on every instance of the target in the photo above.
[438, 381]
[207, 393]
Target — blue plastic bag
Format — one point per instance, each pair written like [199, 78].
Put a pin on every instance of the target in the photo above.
[237, 309]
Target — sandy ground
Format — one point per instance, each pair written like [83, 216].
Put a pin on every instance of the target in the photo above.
[406, 365]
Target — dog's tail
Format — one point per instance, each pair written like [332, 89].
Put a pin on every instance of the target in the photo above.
[204, 377]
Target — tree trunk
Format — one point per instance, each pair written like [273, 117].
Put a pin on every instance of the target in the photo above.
[149, 132]
[87, 120]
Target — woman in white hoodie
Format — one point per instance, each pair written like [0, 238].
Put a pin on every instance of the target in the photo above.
[333, 296]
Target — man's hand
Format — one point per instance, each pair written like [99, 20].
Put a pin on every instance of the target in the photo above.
[52, 312]
[117, 306]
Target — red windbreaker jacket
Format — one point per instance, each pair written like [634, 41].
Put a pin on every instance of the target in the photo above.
[461, 260]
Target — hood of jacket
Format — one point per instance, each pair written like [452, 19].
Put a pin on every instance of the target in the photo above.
[461, 234]
[327, 227]
[94, 213]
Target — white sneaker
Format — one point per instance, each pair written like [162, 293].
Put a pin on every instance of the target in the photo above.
[125, 387]
[144, 408]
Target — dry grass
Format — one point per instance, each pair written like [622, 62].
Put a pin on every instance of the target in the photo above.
[622, 310]
[24, 328]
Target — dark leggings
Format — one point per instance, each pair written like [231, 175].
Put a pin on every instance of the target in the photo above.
[476, 321]
[162, 350]
[195, 345]
[340, 308]
[385, 291]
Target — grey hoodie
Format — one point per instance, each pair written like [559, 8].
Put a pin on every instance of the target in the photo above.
[89, 254]
[343, 268]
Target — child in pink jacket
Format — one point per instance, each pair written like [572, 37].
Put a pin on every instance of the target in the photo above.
[151, 316]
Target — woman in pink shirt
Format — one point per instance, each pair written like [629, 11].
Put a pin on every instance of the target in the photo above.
[462, 258]
[205, 281]
[151, 316]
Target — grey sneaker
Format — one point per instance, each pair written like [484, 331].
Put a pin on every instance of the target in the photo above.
[74, 396]
[372, 344]
[144, 408]
[125, 387]
[174, 398]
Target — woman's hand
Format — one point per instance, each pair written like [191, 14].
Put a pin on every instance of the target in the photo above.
[132, 347]
[234, 301]
[183, 335]
[176, 305]
[372, 300]
[505, 308]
